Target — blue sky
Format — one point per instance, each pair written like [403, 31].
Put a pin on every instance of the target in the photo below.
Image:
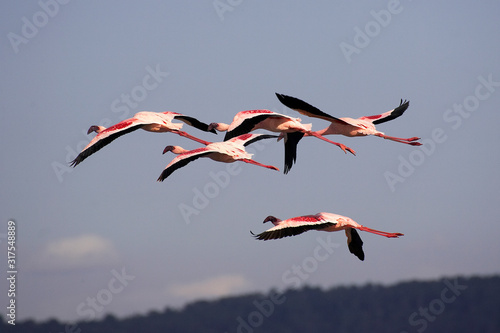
[108, 231]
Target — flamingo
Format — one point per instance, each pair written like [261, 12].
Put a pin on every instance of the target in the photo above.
[227, 152]
[290, 128]
[146, 120]
[348, 126]
[323, 222]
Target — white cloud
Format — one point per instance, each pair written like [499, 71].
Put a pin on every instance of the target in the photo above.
[213, 287]
[77, 252]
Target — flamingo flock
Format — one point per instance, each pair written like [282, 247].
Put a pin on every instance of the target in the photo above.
[238, 136]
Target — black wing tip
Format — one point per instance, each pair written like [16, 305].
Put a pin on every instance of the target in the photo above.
[405, 104]
[260, 236]
[79, 159]
[397, 112]
[284, 99]
[256, 236]
[162, 176]
[195, 123]
[356, 245]
[291, 143]
[288, 165]
[280, 96]
[357, 251]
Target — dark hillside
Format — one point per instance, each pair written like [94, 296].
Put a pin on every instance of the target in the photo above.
[447, 305]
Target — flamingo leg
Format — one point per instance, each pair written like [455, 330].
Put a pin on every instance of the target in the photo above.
[342, 146]
[408, 141]
[381, 233]
[189, 136]
[259, 164]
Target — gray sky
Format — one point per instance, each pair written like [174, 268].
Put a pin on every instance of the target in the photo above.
[107, 231]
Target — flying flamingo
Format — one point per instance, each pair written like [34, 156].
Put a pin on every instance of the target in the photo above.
[348, 126]
[146, 120]
[227, 152]
[324, 222]
[290, 128]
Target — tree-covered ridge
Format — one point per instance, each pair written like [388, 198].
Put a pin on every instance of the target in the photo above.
[446, 305]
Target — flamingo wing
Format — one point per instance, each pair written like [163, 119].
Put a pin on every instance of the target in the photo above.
[294, 226]
[291, 142]
[354, 243]
[389, 115]
[246, 121]
[306, 109]
[107, 136]
[195, 123]
[183, 159]
[248, 138]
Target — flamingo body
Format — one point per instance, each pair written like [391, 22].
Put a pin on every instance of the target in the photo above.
[251, 120]
[227, 152]
[158, 122]
[323, 222]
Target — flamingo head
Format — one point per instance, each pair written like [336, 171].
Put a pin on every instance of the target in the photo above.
[95, 128]
[168, 148]
[174, 149]
[212, 128]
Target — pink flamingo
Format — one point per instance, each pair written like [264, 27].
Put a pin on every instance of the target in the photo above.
[290, 128]
[348, 126]
[146, 120]
[323, 222]
[227, 152]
